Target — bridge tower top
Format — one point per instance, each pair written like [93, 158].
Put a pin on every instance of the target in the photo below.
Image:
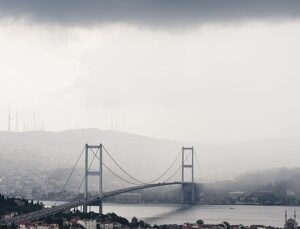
[88, 173]
[186, 151]
[188, 186]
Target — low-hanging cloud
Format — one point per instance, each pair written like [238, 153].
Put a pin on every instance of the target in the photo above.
[147, 12]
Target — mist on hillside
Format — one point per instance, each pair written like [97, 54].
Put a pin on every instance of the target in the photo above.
[144, 156]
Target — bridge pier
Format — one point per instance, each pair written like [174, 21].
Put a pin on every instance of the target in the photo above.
[88, 173]
[187, 187]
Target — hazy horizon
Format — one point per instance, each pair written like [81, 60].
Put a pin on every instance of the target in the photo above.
[147, 136]
[217, 161]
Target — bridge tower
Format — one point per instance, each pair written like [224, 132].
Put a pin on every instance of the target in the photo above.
[89, 149]
[188, 186]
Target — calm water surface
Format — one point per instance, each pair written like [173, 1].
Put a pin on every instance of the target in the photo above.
[178, 214]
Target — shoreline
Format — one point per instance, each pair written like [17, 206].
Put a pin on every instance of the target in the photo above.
[186, 204]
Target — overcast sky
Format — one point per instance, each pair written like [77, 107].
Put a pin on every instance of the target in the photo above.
[207, 71]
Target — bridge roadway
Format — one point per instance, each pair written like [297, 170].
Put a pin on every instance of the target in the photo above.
[92, 199]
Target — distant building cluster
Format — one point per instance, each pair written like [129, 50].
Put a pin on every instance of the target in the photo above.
[216, 226]
[73, 223]
[250, 198]
[93, 223]
[37, 225]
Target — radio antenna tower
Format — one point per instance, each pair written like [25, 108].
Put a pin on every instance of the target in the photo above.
[17, 122]
[8, 119]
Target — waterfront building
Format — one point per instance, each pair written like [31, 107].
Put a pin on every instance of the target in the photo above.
[290, 223]
[88, 224]
[109, 225]
[257, 227]
[37, 225]
[236, 195]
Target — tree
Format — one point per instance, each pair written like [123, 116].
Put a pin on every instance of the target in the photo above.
[134, 222]
[227, 225]
[200, 222]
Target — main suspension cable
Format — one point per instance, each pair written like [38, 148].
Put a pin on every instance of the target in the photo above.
[88, 169]
[171, 165]
[172, 175]
[118, 176]
[120, 167]
[186, 157]
[138, 181]
[63, 189]
[199, 167]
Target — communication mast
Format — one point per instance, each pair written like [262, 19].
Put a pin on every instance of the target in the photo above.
[8, 119]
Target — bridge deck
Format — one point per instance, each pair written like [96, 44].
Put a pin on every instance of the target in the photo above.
[60, 208]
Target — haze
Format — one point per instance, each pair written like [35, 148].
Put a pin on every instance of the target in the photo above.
[203, 71]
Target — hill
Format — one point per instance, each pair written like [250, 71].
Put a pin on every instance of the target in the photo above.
[40, 154]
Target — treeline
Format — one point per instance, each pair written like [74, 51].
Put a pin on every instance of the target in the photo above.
[10, 205]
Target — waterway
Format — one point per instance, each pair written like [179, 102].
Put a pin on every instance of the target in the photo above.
[178, 214]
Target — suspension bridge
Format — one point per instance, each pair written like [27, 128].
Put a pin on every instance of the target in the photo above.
[97, 152]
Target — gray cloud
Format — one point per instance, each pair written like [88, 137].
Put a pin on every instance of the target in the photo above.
[147, 12]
